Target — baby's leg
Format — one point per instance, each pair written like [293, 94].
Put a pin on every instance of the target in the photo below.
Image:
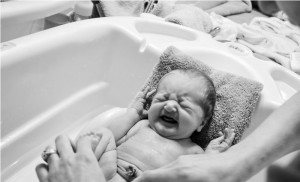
[117, 178]
[104, 147]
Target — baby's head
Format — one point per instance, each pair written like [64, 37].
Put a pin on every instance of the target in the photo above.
[183, 103]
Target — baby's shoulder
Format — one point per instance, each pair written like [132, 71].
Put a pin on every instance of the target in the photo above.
[144, 122]
[137, 127]
[197, 149]
[141, 124]
[193, 148]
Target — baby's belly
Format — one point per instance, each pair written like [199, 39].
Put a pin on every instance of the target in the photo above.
[147, 150]
[133, 160]
[144, 157]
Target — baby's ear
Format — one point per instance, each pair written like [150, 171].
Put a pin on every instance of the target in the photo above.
[203, 123]
[199, 128]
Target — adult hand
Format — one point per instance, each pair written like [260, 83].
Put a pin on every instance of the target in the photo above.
[195, 168]
[67, 165]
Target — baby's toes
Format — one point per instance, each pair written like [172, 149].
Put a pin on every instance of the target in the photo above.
[94, 138]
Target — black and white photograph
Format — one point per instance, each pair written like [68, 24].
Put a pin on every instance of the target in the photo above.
[150, 91]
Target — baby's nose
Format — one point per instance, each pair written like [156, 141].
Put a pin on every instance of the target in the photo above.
[171, 106]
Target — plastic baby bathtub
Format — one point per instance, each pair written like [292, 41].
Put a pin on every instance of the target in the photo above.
[55, 81]
[20, 18]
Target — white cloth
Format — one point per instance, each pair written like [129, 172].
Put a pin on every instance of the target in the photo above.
[271, 37]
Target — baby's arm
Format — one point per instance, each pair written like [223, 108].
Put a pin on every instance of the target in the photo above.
[134, 113]
[104, 147]
[120, 120]
[222, 143]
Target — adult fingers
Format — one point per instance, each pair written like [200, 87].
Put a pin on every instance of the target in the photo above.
[42, 172]
[64, 146]
[51, 149]
[159, 175]
[53, 158]
[53, 162]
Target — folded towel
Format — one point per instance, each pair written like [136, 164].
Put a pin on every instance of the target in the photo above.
[236, 96]
[232, 7]
[190, 16]
[278, 40]
[221, 7]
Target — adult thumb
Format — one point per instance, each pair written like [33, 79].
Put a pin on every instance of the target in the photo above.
[158, 175]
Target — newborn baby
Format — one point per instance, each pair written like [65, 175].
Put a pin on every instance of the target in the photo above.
[183, 104]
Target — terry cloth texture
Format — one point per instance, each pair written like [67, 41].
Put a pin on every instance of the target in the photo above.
[236, 96]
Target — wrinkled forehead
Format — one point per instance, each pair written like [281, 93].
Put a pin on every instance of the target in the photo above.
[169, 76]
[176, 81]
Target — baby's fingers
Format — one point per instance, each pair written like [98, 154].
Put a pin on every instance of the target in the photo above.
[228, 132]
[150, 93]
[229, 136]
[145, 91]
[218, 140]
[145, 112]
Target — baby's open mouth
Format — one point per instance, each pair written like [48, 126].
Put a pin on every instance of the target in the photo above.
[168, 119]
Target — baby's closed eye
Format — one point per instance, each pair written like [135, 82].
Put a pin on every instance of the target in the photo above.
[159, 99]
[185, 105]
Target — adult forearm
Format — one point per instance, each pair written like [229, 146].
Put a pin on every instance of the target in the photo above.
[278, 135]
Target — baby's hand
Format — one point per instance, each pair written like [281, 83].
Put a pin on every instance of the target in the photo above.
[222, 143]
[139, 103]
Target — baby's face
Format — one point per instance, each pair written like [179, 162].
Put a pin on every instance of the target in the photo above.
[175, 111]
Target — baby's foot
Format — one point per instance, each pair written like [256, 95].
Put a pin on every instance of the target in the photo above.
[94, 138]
[101, 141]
